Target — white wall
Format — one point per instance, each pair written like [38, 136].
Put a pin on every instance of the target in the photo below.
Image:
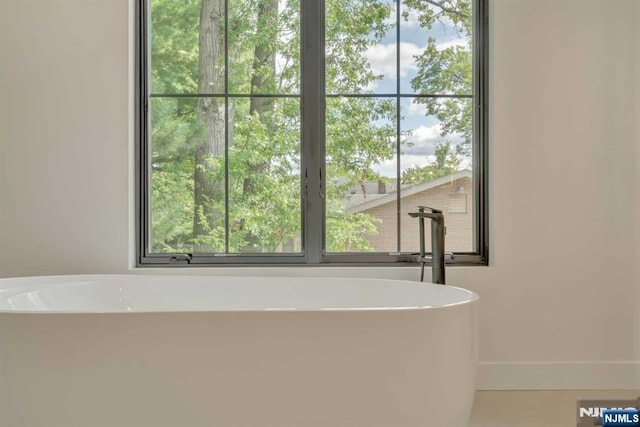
[562, 192]
[559, 301]
[636, 146]
[63, 136]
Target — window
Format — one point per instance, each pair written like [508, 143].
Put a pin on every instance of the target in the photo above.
[289, 131]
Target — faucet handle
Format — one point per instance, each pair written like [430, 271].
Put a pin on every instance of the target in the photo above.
[422, 209]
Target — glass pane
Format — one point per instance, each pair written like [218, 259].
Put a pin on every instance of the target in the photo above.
[361, 209]
[187, 175]
[360, 47]
[436, 47]
[176, 48]
[436, 169]
[264, 46]
[265, 212]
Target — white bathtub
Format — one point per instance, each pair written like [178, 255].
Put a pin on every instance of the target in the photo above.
[156, 351]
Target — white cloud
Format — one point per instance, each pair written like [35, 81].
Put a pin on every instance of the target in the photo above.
[423, 135]
[424, 139]
[421, 153]
[466, 163]
[411, 19]
[409, 22]
[382, 58]
[391, 19]
[452, 43]
[410, 161]
[387, 168]
[416, 109]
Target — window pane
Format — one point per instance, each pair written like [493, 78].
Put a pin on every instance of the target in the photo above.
[436, 169]
[176, 47]
[264, 47]
[265, 211]
[224, 127]
[361, 210]
[187, 175]
[436, 47]
[360, 47]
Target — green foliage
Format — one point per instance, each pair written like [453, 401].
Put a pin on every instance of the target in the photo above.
[267, 158]
[174, 128]
[262, 161]
[347, 232]
[171, 220]
[447, 161]
[449, 70]
[174, 46]
[351, 28]
[360, 131]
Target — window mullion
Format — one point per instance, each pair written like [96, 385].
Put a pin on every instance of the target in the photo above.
[226, 127]
[313, 125]
[398, 136]
[312, 142]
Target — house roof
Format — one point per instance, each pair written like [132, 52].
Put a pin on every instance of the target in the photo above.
[362, 202]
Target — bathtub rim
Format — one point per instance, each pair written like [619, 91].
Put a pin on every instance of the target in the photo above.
[472, 297]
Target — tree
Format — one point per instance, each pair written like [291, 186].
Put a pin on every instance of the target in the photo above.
[259, 158]
[449, 70]
[447, 161]
[208, 180]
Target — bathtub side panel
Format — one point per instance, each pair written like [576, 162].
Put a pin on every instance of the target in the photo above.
[306, 369]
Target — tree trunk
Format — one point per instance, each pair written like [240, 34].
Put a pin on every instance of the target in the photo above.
[262, 82]
[264, 56]
[208, 181]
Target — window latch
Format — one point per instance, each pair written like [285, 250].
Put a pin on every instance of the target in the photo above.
[306, 183]
[181, 259]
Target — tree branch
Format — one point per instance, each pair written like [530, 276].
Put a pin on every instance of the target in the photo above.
[446, 9]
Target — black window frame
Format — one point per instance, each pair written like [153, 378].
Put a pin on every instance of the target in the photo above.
[313, 155]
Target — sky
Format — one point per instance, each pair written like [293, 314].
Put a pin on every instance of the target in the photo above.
[382, 59]
[425, 130]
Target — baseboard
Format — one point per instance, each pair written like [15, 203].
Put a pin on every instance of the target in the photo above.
[559, 376]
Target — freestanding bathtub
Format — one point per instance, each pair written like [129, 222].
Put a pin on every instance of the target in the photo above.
[175, 351]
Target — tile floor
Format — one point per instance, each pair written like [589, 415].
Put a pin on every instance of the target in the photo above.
[534, 408]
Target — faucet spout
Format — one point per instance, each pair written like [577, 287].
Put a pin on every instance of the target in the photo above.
[437, 242]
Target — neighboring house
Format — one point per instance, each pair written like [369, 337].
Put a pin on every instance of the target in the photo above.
[453, 194]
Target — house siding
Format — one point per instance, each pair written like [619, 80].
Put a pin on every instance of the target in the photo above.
[459, 224]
